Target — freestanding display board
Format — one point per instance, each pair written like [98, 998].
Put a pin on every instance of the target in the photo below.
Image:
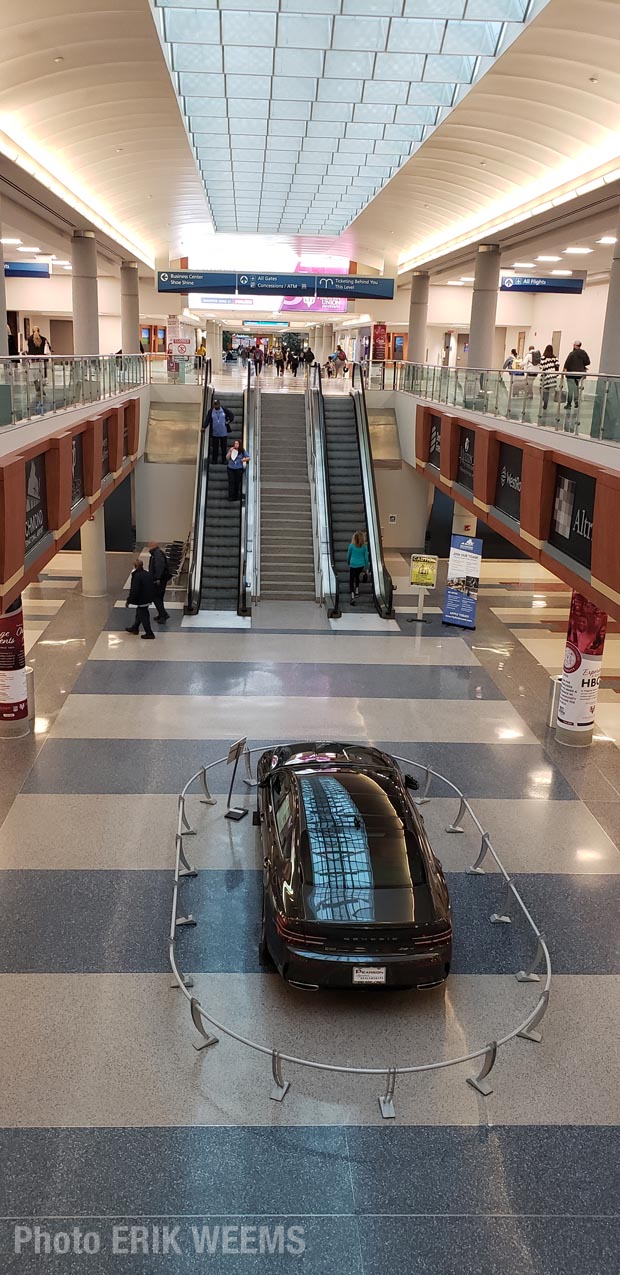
[463, 579]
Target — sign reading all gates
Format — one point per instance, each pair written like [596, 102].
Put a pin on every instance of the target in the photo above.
[423, 571]
[13, 693]
[463, 580]
[582, 665]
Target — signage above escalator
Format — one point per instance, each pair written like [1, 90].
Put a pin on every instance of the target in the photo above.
[249, 283]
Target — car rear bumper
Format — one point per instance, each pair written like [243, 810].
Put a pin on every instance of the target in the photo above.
[328, 969]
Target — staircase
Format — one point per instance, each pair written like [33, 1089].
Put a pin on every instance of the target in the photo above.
[221, 547]
[286, 543]
[346, 494]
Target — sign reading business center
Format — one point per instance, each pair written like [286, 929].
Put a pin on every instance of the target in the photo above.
[508, 486]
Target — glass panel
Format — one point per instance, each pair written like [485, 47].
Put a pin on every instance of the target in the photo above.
[477, 38]
[416, 35]
[399, 66]
[390, 91]
[193, 26]
[191, 82]
[237, 26]
[286, 87]
[428, 8]
[360, 33]
[355, 65]
[196, 57]
[311, 31]
[416, 114]
[298, 62]
[453, 70]
[243, 86]
[246, 60]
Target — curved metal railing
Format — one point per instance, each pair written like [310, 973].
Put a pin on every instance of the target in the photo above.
[526, 1029]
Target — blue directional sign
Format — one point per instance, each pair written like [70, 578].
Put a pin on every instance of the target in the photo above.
[26, 269]
[247, 283]
[196, 281]
[542, 283]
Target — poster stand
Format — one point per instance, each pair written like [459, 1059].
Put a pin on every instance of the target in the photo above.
[234, 753]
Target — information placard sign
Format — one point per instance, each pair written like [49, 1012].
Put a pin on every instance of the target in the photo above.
[423, 570]
[463, 580]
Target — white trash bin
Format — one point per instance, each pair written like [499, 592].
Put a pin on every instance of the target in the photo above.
[555, 684]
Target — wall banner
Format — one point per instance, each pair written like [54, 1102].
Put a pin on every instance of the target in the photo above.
[465, 470]
[463, 580]
[434, 450]
[13, 694]
[581, 674]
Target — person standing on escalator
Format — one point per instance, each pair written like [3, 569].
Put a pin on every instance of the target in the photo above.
[357, 558]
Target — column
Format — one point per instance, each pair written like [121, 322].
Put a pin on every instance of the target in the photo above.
[463, 523]
[484, 306]
[418, 316]
[4, 339]
[609, 364]
[13, 690]
[85, 296]
[94, 568]
[322, 351]
[329, 342]
[130, 308]
[583, 656]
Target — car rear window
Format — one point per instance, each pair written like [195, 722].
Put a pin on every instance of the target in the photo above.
[357, 833]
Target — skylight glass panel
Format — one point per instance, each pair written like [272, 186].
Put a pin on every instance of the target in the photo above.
[355, 65]
[499, 10]
[248, 108]
[196, 57]
[286, 87]
[390, 91]
[416, 35]
[355, 145]
[340, 90]
[372, 132]
[291, 110]
[476, 38]
[306, 30]
[374, 113]
[416, 114]
[237, 27]
[317, 128]
[195, 84]
[428, 8]
[382, 8]
[430, 94]
[336, 111]
[299, 62]
[193, 26]
[453, 70]
[243, 86]
[399, 66]
[360, 33]
[247, 60]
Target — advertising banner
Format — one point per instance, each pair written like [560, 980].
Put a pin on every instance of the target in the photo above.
[573, 514]
[36, 502]
[581, 674]
[434, 451]
[77, 470]
[105, 454]
[463, 580]
[508, 486]
[465, 471]
[379, 341]
[13, 695]
[423, 570]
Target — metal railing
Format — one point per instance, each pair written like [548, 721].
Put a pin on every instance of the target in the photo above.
[319, 464]
[487, 1053]
[588, 405]
[37, 386]
[194, 583]
[383, 588]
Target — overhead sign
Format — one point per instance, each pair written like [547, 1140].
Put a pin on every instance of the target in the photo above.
[463, 580]
[581, 674]
[434, 451]
[573, 514]
[536, 283]
[508, 485]
[465, 470]
[423, 570]
[247, 283]
[26, 269]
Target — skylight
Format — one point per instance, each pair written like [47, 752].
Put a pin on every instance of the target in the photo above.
[298, 113]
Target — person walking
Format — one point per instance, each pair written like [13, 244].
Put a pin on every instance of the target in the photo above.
[340, 359]
[532, 368]
[549, 369]
[258, 359]
[575, 368]
[308, 358]
[279, 362]
[160, 574]
[140, 597]
[357, 558]
[220, 419]
[509, 362]
[293, 363]
[237, 459]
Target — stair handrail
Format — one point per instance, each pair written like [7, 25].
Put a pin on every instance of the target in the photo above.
[327, 567]
[248, 497]
[194, 582]
[383, 588]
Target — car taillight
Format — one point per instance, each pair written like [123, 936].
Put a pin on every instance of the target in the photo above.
[291, 933]
[431, 940]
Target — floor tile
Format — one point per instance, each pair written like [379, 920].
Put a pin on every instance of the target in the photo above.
[216, 620]
[283, 647]
[364, 622]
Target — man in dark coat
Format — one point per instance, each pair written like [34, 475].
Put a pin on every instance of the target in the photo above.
[140, 595]
[159, 572]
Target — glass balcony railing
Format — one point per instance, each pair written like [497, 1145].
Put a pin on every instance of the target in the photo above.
[586, 405]
[32, 387]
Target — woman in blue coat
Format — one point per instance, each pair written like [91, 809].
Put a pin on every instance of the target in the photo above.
[357, 558]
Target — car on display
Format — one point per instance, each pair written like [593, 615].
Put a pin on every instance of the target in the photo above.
[353, 895]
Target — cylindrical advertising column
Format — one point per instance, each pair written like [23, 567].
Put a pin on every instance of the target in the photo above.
[13, 693]
[581, 675]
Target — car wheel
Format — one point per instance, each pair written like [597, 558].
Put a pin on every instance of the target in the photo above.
[264, 955]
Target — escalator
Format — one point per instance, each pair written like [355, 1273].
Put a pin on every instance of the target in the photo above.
[217, 569]
[352, 499]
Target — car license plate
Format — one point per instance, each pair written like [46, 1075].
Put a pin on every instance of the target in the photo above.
[369, 973]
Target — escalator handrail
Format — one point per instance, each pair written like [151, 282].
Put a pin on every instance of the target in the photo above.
[194, 583]
[247, 493]
[331, 591]
[383, 588]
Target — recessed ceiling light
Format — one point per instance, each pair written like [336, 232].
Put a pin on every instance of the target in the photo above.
[59, 59]
[10, 241]
[578, 252]
[28, 249]
[562, 272]
[63, 263]
[467, 278]
[455, 283]
[605, 239]
[548, 258]
[524, 265]
[594, 79]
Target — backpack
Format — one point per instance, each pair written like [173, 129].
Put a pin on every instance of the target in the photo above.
[535, 357]
[341, 356]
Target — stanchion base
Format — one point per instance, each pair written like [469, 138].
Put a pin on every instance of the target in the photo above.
[187, 982]
[523, 977]
[205, 1043]
[185, 921]
[481, 1086]
[474, 872]
[455, 828]
[188, 832]
[236, 813]
[500, 919]
[188, 872]
[208, 801]
[530, 1034]
[279, 1092]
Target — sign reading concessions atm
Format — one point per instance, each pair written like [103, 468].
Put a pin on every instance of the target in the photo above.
[247, 283]
[465, 471]
[508, 485]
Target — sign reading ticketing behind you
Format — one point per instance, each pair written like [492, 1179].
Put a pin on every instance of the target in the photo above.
[247, 283]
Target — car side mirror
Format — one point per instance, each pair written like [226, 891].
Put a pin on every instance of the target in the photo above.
[411, 783]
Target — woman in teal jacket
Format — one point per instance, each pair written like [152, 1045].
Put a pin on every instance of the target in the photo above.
[357, 558]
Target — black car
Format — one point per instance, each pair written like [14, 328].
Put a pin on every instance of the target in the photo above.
[352, 892]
